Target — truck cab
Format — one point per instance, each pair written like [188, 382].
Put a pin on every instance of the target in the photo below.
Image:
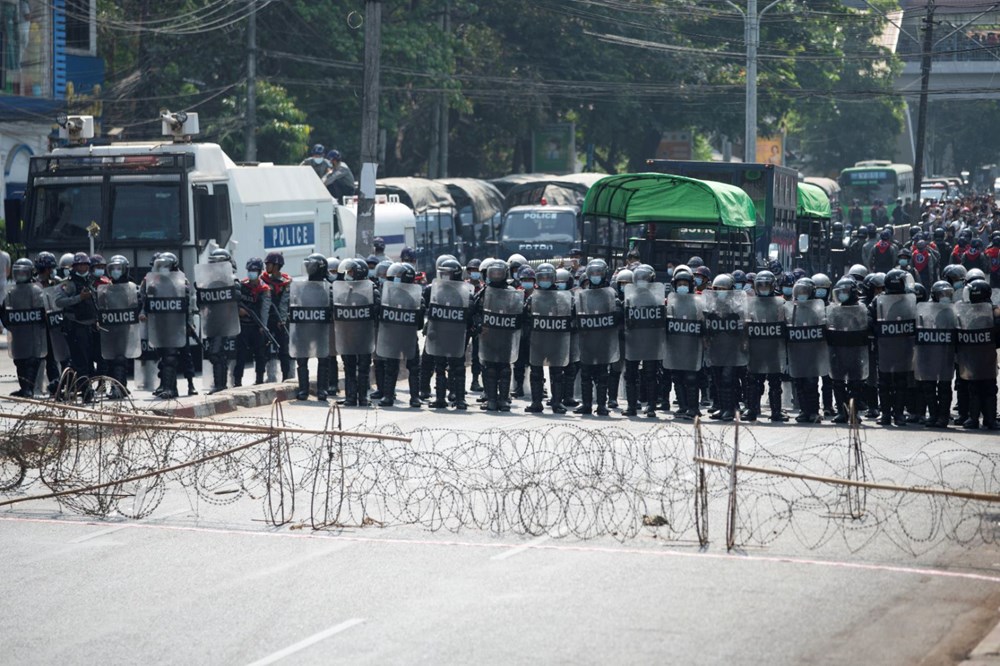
[539, 233]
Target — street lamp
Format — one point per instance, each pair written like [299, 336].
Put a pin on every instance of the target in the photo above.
[751, 27]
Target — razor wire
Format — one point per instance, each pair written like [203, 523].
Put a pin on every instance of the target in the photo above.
[562, 481]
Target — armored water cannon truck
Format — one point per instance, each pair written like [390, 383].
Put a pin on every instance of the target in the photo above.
[174, 195]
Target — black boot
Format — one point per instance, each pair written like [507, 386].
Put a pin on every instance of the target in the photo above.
[537, 387]
[632, 398]
[503, 388]
[614, 378]
[361, 379]
[457, 383]
[475, 385]
[569, 384]
[975, 406]
[649, 381]
[303, 373]
[322, 378]
[333, 383]
[691, 396]
[518, 389]
[415, 390]
[602, 394]
[379, 391]
[490, 388]
[351, 393]
[586, 393]
[219, 371]
[885, 405]
[558, 381]
[426, 369]
[440, 390]
[774, 402]
[168, 375]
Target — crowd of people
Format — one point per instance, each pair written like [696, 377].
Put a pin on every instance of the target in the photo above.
[903, 346]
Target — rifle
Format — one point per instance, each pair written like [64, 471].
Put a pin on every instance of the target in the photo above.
[263, 327]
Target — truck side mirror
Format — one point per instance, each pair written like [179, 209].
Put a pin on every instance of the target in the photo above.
[803, 243]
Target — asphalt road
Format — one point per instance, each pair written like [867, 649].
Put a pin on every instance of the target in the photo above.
[199, 583]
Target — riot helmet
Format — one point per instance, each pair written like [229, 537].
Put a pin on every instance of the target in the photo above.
[682, 281]
[449, 269]
[545, 276]
[118, 268]
[381, 270]
[942, 292]
[526, 277]
[564, 280]
[803, 290]
[623, 277]
[23, 270]
[221, 255]
[316, 265]
[407, 255]
[165, 262]
[496, 274]
[357, 271]
[255, 266]
[702, 276]
[787, 284]
[723, 282]
[45, 261]
[859, 272]
[739, 280]
[763, 283]
[955, 274]
[66, 264]
[597, 273]
[979, 291]
[845, 291]
[975, 274]
[333, 268]
[823, 285]
[644, 273]
[275, 258]
[515, 261]
[920, 291]
[402, 273]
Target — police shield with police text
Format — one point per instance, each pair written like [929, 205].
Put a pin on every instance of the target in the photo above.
[400, 319]
[976, 354]
[23, 315]
[895, 332]
[934, 353]
[725, 329]
[808, 357]
[685, 324]
[500, 311]
[218, 304]
[847, 341]
[354, 309]
[597, 320]
[765, 347]
[309, 318]
[118, 309]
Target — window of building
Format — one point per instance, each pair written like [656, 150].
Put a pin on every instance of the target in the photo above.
[78, 25]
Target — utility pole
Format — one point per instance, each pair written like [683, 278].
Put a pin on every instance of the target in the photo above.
[250, 131]
[365, 232]
[925, 80]
[751, 34]
[443, 129]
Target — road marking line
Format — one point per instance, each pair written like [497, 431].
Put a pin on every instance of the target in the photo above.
[534, 543]
[306, 642]
[118, 528]
[270, 571]
[647, 552]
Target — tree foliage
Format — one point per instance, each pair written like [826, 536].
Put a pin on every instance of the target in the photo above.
[624, 71]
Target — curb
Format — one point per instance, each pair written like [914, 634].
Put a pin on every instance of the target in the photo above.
[228, 401]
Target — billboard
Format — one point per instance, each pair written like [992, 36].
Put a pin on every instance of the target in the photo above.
[771, 150]
[553, 148]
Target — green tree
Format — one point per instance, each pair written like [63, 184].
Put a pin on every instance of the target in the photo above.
[282, 133]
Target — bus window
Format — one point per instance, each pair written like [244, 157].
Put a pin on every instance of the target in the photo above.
[62, 211]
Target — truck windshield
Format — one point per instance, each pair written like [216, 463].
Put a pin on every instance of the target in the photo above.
[127, 208]
[145, 208]
[61, 211]
[539, 226]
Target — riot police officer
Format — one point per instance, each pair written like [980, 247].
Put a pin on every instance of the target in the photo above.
[355, 302]
[118, 309]
[165, 297]
[76, 300]
[218, 293]
[934, 353]
[277, 317]
[895, 332]
[766, 347]
[401, 316]
[808, 356]
[475, 279]
[725, 328]
[684, 345]
[447, 302]
[58, 352]
[499, 310]
[526, 283]
[22, 313]
[309, 316]
[598, 315]
[255, 306]
[848, 324]
[549, 314]
[978, 335]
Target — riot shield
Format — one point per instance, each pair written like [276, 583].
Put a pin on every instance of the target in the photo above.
[807, 351]
[218, 300]
[354, 317]
[976, 351]
[847, 341]
[895, 331]
[500, 336]
[309, 319]
[26, 334]
[448, 318]
[645, 317]
[166, 307]
[551, 313]
[765, 335]
[685, 333]
[934, 350]
[597, 322]
[725, 327]
[54, 319]
[118, 315]
[399, 320]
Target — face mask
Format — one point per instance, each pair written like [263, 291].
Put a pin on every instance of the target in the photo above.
[528, 286]
[596, 279]
[739, 286]
[843, 297]
[116, 274]
[787, 291]
[802, 298]
[561, 286]
[83, 274]
[64, 272]
[348, 278]
[397, 280]
[163, 270]
[821, 293]
[904, 262]
[958, 285]
[381, 280]
[98, 272]
[698, 282]
[748, 288]
[683, 289]
[670, 272]
[475, 276]
[544, 284]
[944, 299]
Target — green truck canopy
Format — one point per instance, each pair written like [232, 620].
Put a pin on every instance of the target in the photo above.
[636, 198]
[813, 202]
